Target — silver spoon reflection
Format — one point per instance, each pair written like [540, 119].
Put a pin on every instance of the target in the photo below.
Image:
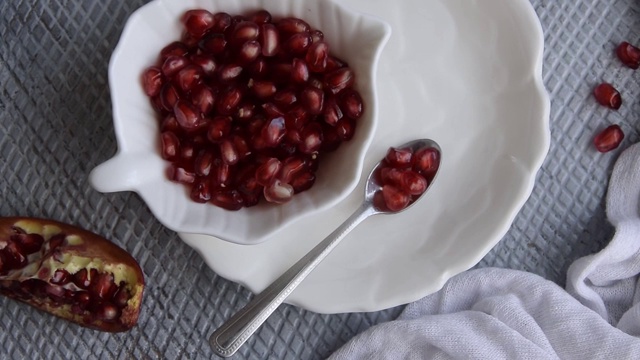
[229, 337]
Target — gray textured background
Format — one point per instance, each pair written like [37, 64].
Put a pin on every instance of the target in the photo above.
[55, 126]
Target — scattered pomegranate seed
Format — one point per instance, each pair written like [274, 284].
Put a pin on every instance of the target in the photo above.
[628, 54]
[246, 105]
[608, 96]
[609, 138]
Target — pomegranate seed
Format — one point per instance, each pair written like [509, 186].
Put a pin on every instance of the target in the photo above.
[285, 98]
[229, 101]
[313, 100]
[293, 26]
[219, 128]
[258, 68]
[108, 312]
[292, 136]
[188, 77]
[168, 97]
[390, 175]
[181, 175]
[187, 150]
[189, 40]
[629, 55]
[339, 79]
[215, 44]
[170, 145]
[278, 192]
[228, 152]
[203, 163]
[346, 128]
[245, 31]
[298, 43]
[241, 146]
[609, 138]
[221, 174]
[236, 19]
[28, 243]
[249, 52]
[156, 104]
[317, 36]
[198, 22]
[102, 285]
[317, 56]
[297, 117]
[267, 172]
[273, 131]
[330, 139]
[303, 182]
[152, 81]
[608, 96]
[255, 124]
[263, 89]
[351, 104]
[269, 40]
[413, 183]
[80, 279]
[200, 191]
[399, 158]
[222, 21]
[227, 199]
[299, 71]
[60, 277]
[332, 112]
[176, 48]
[291, 167]
[121, 297]
[311, 138]
[230, 72]
[271, 110]
[394, 198]
[203, 99]
[261, 17]
[426, 161]
[316, 83]
[206, 63]
[188, 117]
[173, 64]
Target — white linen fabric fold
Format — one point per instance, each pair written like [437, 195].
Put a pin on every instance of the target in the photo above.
[508, 314]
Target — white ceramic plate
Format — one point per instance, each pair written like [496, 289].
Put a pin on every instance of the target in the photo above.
[467, 74]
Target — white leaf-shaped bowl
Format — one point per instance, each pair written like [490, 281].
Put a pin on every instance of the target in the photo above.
[138, 167]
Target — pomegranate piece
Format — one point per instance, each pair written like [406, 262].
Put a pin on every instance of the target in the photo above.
[609, 138]
[394, 198]
[70, 273]
[198, 22]
[234, 92]
[413, 183]
[426, 161]
[628, 54]
[608, 96]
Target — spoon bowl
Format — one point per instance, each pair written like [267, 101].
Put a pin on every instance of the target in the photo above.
[229, 337]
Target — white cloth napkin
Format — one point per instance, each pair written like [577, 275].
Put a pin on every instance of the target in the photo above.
[508, 314]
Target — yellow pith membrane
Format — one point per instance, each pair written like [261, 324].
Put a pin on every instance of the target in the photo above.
[73, 293]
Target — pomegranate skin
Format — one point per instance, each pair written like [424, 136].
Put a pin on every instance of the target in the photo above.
[73, 249]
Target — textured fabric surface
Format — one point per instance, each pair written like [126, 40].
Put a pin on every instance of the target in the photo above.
[55, 126]
[509, 314]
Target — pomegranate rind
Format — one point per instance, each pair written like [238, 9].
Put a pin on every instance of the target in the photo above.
[81, 249]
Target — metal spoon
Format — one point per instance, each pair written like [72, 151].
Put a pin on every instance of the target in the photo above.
[229, 337]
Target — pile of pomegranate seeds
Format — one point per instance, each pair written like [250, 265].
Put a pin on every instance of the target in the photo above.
[69, 272]
[606, 95]
[247, 106]
[405, 175]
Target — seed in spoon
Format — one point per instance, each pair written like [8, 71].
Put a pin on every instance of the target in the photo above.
[399, 185]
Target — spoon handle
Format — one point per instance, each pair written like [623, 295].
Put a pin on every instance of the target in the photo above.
[229, 337]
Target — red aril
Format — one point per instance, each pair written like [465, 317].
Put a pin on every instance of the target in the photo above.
[399, 158]
[269, 39]
[201, 190]
[299, 71]
[608, 96]
[249, 52]
[152, 81]
[203, 99]
[293, 26]
[313, 100]
[173, 64]
[298, 44]
[188, 77]
[206, 63]
[303, 181]
[188, 117]
[168, 97]
[228, 152]
[266, 173]
[278, 192]
[317, 56]
[628, 54]
[271, 110]
[273, 131]
[214, 44]
[181, 175]
[221, 174]
[203, 163]
[222, 21]
[413, 183]
[170, 145]
[311, 138]
[176, 48]
[227, 199]
[285, 98]
[332, 112]
[317, 36]
[245, 31]
[339, 79]
[346, 128]
[263, 89]
[394, 198]
[351, 104]
[229, 101]
[426, 161]
[291, 167]
[198, 22]
[609, 138]
[219, 128]
[230, 72]
[261, 17]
